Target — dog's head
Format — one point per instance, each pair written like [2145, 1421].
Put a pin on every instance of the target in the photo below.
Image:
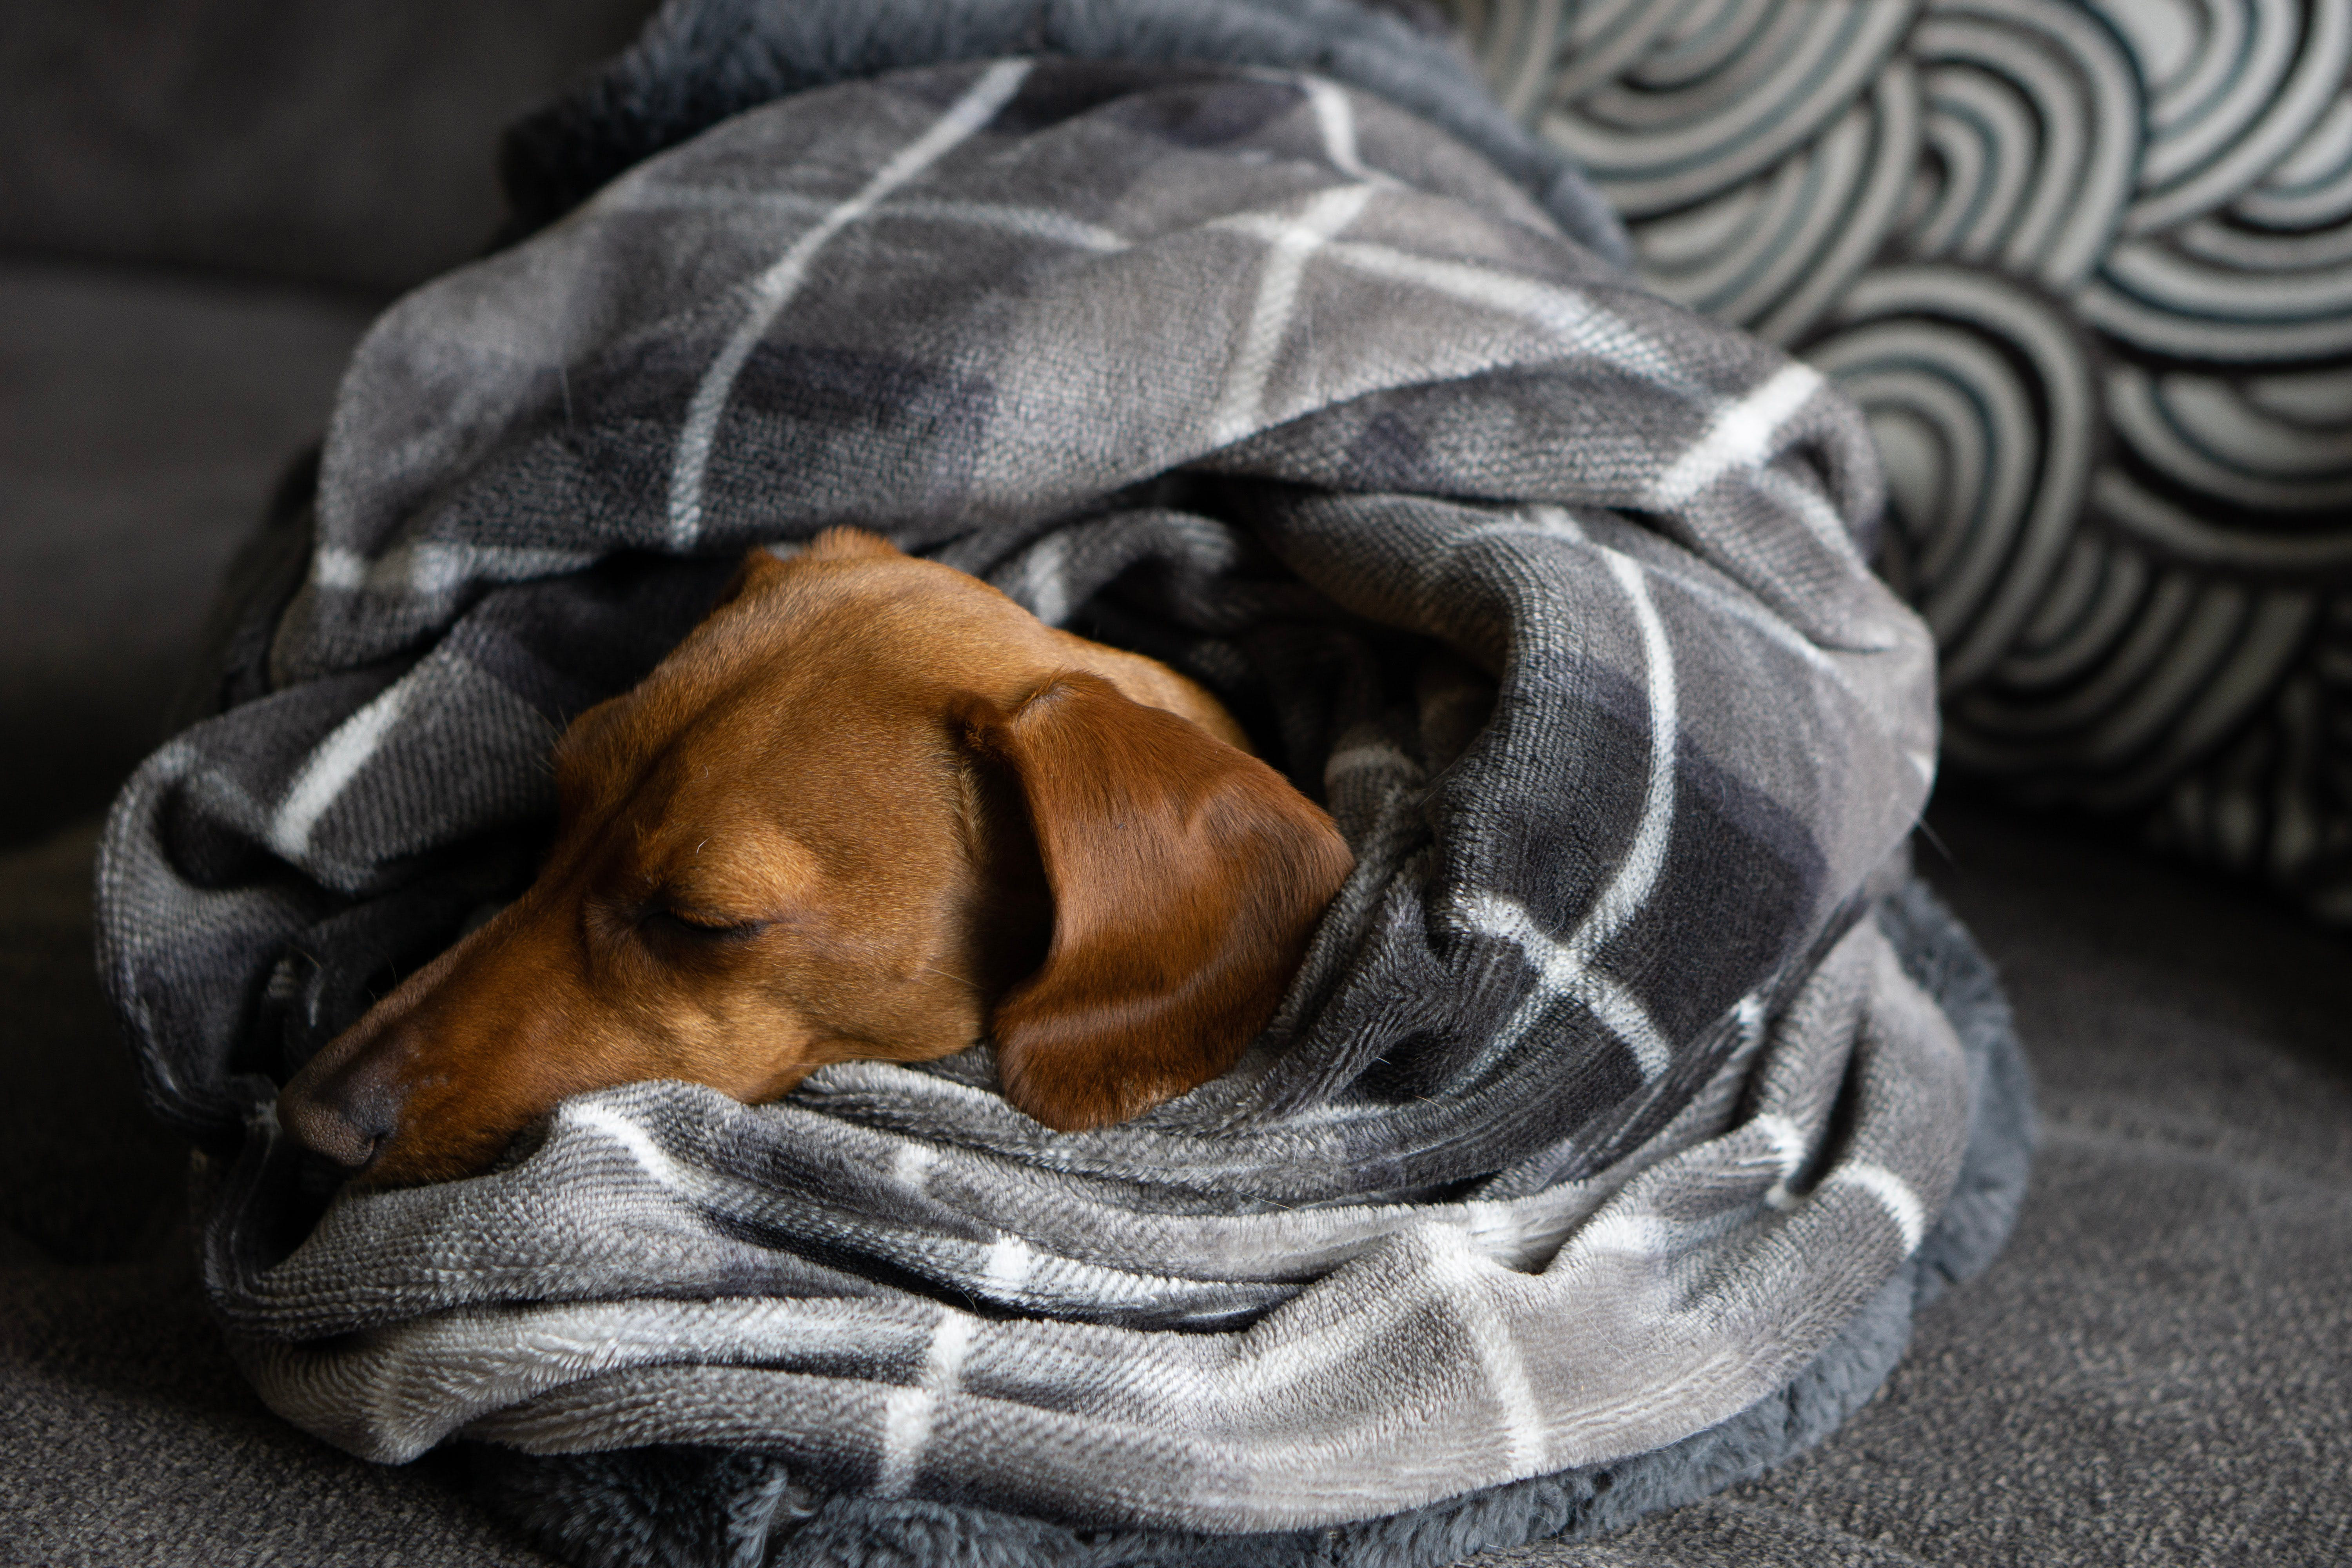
[871, 809]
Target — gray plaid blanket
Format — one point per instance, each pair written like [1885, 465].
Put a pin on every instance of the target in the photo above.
[1601, 1106]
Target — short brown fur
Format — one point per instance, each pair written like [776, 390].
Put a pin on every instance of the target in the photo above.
[871, 809]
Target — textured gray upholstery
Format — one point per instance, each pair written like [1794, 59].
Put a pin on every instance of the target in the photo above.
[344, 141]
[142, 420]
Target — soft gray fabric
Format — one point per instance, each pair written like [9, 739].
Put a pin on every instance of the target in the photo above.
[1593, 992]
[699, 61]
[2086, 265]
[681, 1507]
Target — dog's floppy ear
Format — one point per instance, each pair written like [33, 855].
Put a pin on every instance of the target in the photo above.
[1186, 878]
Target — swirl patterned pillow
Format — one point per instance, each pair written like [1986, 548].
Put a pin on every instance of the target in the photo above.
[2087, 266]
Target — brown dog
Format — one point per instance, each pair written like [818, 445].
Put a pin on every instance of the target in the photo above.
[871, 809]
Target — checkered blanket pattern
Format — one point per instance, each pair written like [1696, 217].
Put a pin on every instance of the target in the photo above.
[1602, 1105]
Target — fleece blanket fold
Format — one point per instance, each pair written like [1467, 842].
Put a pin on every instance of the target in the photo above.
[1604, 1104]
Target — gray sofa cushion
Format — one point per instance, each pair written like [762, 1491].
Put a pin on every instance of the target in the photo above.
[142, 420]
[337, 140]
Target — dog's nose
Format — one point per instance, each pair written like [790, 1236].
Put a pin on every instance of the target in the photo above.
[346, 1114]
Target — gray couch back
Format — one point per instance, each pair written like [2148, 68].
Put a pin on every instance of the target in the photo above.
[346, 142]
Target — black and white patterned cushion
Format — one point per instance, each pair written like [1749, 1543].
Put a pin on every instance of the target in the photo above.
[2086, 265]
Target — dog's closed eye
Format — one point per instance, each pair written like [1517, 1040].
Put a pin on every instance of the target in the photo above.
[699, 925]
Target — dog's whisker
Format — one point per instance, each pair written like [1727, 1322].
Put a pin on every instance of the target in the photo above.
[957, 979]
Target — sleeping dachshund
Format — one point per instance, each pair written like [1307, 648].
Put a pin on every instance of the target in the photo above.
[871, 809]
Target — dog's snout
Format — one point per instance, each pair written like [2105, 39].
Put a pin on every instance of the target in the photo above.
[346, 1115]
